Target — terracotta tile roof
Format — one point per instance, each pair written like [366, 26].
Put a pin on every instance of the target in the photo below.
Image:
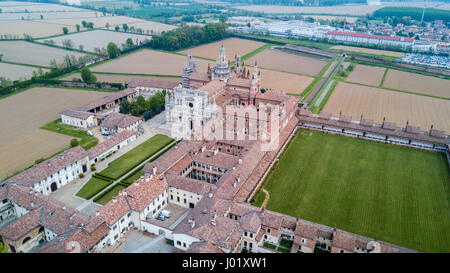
[219, 159]
[180, 165]
[116, 120]
[344, 241]
[107, 99]
[306, 229]
[241, 82]
[203, 247]
[109, 143]
[251, 221]
[49, 167]
[22, 225]
[213, 87]
[133, 83]
[370, 36]
[76, 114]
[114, 210]
[144, 190]
[271, 219]
[190, 185]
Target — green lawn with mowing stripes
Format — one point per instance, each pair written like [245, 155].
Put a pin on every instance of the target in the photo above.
[134, 157]
[398, 194]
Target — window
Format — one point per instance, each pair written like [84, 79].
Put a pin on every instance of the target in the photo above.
[303, 241]
[179, 243]
[171, 197]
[268, 230]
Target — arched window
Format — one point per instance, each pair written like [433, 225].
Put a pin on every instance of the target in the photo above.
[26, 240]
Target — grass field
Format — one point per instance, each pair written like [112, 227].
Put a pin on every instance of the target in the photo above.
[92, 187]
[397, 194]
[128, 161]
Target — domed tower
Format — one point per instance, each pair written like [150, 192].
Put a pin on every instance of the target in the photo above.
[221, 70]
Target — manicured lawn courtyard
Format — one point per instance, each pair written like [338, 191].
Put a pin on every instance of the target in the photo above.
[398, 194]
[92, 187]
[131, 159]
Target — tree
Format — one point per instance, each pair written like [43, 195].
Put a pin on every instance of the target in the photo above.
[117, 28]
[125, 27]
[65, 30]
[87, 76]
[3, 248]
[113, 50]
[84, 23]
[129, 43]
[42, 17]
[81, 47]
[74, 142]
[78, 27]
[107, 25]
[222, 18]
[67, 43]
[90, 25]
[125, 107]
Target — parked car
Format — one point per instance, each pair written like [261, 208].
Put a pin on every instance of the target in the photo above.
[165, 213]
[160, 217]
[89, 133]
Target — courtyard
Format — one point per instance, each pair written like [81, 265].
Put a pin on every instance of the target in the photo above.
[393, 193]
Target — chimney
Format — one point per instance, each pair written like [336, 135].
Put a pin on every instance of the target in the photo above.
[147, 179]
[62, 157]
[114, 200]
[136, 184]
[155, 169]
[124, 193]
[234, 184]
[431, 129]
[192, 224]
[216, 151]
[203, 148]
[49, 164]
[64, 208]
[97, 213]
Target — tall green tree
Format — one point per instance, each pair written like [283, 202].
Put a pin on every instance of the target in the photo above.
[65, 30]
[113, 50]
[87, 76]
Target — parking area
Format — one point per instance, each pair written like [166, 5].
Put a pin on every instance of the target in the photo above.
[177, 215]
[142, 242]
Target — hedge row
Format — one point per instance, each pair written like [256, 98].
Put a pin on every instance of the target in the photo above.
[102, 176]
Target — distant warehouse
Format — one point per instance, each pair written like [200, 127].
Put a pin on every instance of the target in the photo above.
[363, 38]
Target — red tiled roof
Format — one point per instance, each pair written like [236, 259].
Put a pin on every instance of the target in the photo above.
[49, 167]
[133, 83]
[109, 143]
[370, 36]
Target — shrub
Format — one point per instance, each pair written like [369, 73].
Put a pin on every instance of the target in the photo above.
[40, 160]
[74, 142]
[93, 168]
[81, 175]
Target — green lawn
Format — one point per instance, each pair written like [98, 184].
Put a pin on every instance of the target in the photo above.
[395, 193]
[92, 187]
[131, 159]
[56, 126]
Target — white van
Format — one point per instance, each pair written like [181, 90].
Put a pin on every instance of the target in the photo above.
[165, 213]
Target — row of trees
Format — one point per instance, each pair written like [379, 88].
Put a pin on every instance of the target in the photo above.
[146, 107]
[189, 36]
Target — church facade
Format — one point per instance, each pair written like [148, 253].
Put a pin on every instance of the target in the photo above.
[203, 96]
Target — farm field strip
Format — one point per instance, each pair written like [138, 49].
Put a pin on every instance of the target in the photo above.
[21, 140]
[17, 72]
[31, 53]
[364, 187]
[376, 103]
[369, 51]
[417, 83]
[117, 78]
[365, 74]
[232, 46]
[148, 61]
[90, 40]
[289, 62]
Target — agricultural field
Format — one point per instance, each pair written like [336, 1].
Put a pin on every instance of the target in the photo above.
[375, 103]
[366, 188]
[99, 22]
[149, 62]
[287, 82]
[88, 15]
[335, 18]
[287, 62]
[369, 51]
[35, 54]
[121, 78]
[17, 72]
[32, 7]
[21, 140]
[366, 74]
[417, 83]
[36, 29]
[356, 10]
[90, 40]
[150, 27]
[232, 46]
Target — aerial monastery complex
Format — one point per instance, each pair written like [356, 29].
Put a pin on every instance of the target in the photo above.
[212, 172]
